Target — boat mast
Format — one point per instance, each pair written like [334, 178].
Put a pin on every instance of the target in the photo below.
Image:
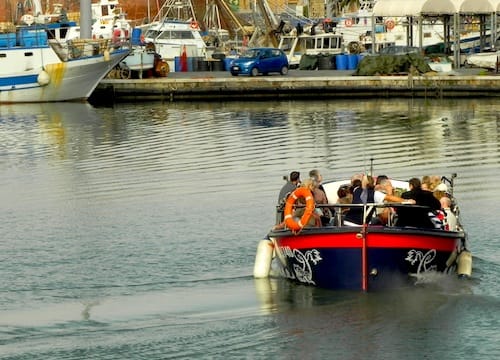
[86, 19]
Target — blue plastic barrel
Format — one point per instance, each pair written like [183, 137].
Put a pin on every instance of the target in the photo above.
[352, 62]
[341, 61]
[191, 62]
[136, 36]
[177, 64]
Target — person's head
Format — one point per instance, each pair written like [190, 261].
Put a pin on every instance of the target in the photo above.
[415, 184]
[440, 191]
[343, 191]
[445, 202]
[435, 180]
[380, 178]
[308, 183]
[355, 183]
[386, 185]
[426, 182]
[316, 175]
[295, 176]
[355, 178]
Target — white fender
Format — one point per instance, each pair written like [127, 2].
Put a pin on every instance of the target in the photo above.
[263, 259]
[43, 78]
[107, 57]
[464, 262]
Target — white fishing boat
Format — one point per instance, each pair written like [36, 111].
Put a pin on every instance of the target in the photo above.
[175, 31]
[296, 45]
[36, 68]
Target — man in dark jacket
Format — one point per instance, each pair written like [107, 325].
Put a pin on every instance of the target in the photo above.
[418, 216]
[291, 185]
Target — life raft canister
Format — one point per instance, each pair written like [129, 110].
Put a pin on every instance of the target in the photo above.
[290, 222]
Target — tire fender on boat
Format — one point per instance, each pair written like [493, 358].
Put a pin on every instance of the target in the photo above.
[43, 78]
[290, 222]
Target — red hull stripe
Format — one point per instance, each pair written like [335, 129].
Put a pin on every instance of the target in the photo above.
[374, 240]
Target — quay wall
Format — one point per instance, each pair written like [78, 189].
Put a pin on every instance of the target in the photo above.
[210, 86]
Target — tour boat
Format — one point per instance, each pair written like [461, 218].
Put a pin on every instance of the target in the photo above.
[360, 257]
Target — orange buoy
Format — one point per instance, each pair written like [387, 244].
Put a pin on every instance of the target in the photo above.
[290, 222]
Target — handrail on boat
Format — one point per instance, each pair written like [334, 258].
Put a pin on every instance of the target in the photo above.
[368, 210]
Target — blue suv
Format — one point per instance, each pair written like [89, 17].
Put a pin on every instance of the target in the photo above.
[257, 61]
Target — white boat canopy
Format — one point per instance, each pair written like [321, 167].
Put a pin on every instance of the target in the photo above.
[434, 7]
[420, 9]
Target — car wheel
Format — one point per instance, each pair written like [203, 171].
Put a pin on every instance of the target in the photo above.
[254, 72]
[284, 70]
[234, 74]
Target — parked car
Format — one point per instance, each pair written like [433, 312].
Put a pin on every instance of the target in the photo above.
[260, 61]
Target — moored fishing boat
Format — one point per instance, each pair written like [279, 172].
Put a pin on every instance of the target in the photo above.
[34, 68]
[175, 33]
[342, 255]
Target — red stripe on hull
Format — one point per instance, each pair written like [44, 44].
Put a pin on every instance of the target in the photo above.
[396, 240]
[340, 240]
[411, 241]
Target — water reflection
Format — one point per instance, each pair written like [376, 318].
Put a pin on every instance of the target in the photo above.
[62, 130]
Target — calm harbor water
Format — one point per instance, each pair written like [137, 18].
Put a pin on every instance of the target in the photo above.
[129, 232]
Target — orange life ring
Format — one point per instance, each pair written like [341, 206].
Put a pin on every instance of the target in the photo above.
[290, 222]
[348, 22]
[194, 25]
[389, 24]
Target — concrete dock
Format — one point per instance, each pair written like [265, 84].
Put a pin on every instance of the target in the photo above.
[298, 84]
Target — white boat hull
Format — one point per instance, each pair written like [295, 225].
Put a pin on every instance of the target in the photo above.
[139, 60]
[484, 60]
[69, 80]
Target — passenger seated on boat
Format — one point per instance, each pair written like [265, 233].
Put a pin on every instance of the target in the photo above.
[418, 216]
[292, 182]
[366, 194]
[429, 183]
[344, 196]
[314, 220]
[361, 195]
[320, 196]
[440, 191]
[451, 218]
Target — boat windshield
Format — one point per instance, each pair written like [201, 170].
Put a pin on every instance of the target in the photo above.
[178, 34]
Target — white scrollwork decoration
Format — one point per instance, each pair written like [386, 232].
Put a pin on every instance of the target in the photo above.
[302, 266]
[424, 260]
